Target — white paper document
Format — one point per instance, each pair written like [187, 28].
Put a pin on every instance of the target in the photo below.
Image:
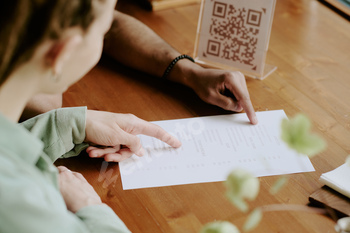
[211, 148]
[338, 179]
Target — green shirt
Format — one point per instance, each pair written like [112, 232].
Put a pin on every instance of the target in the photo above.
[30, 200]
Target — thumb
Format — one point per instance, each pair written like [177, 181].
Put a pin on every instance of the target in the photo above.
[133, 143]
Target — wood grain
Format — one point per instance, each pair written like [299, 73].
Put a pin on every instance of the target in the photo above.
[310, 46]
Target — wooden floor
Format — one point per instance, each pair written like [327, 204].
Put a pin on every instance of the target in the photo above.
[310, 45]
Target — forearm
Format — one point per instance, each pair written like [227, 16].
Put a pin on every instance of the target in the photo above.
[134, 44]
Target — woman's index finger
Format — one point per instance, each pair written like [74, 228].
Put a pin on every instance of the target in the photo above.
[153, 130]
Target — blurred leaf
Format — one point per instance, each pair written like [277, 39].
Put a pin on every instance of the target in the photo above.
[220, 227]
[241, 185]
[253, 220]
[296, 133]
[239, 203]
[278, 184]
[343, 225]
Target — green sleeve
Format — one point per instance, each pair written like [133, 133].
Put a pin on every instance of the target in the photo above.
[103, 217]
[61, 130]
[29, 204]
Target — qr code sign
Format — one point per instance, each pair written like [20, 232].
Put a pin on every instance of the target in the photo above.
[235, 32]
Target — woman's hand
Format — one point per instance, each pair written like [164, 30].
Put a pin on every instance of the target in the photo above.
[116, 133]
[76, 191]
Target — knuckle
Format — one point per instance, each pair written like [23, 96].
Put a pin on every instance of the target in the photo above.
[166, 137]
[209, 95]
[131, 116]
[233, 75]
[228, 75]
[77, 174]
[132, 120]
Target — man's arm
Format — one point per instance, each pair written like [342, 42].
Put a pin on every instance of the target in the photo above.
[134, 44]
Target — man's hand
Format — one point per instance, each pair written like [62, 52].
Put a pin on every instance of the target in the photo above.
[225, 89]
[116, 133]
[76, 191]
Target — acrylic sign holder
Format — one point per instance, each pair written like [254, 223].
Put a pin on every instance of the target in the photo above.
[234, 35]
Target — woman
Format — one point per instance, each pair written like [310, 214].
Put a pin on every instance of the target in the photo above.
[46, 45]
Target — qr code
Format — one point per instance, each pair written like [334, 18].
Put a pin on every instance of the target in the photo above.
[237, 29]
[235, 32]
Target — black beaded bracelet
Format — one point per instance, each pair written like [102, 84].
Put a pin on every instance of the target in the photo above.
[171, 65]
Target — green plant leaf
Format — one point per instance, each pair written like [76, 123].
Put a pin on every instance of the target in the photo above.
[253, 220]
[220, 227]
[343, 225]
[241, 185]
[278, 184]
[296, 133]
[238, 202]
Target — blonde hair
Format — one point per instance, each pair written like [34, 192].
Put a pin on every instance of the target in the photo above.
[24, 24]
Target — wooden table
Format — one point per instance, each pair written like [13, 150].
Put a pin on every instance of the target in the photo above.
[309, 43]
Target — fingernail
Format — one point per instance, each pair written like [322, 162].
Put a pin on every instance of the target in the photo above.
[141, 152]
[178, 143]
